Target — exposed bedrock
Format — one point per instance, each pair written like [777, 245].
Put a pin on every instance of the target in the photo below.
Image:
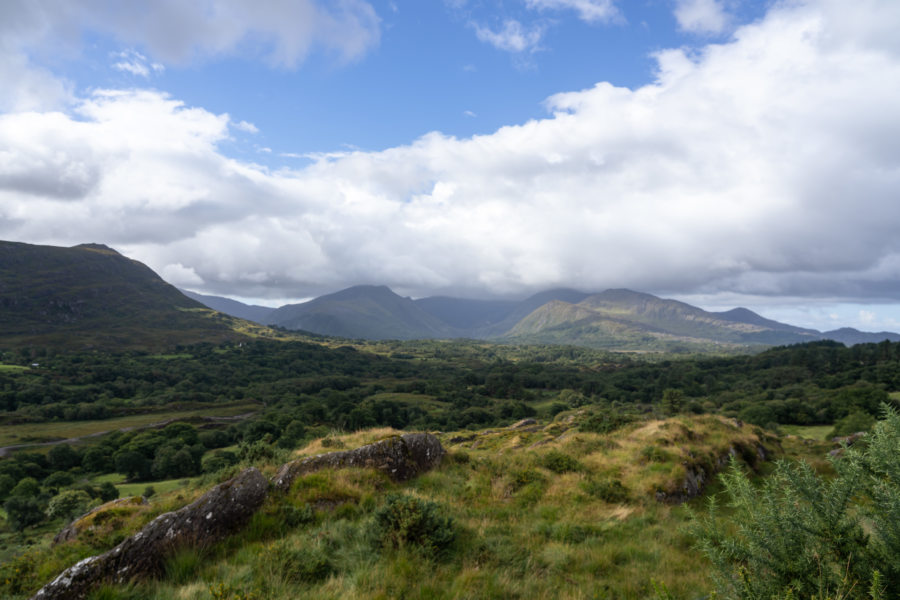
[219, 512]
[401, 457]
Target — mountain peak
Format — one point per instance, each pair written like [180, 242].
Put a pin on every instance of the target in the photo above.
[101, 248]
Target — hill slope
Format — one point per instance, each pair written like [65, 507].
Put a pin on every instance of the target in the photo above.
[91, 296]
[249, 312]
[623, 318]
[364, 311]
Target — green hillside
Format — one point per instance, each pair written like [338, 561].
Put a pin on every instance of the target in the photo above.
[623, 319]
[90, 296]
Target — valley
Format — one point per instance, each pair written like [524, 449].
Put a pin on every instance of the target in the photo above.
[570, 469]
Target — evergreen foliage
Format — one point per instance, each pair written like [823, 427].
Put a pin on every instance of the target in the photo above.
[800, 535]
[409, 522]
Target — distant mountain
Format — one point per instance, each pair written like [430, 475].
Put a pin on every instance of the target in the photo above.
[249, 312]
[623, 318]
[615, 319]
[364, 311]
[744, 315]
[850, 336]
[90, 296]
[526, 307]
[465, 314]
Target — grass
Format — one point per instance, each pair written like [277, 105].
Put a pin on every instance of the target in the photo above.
[160, 487]
[136, 489]
[12, 368]
[810, 432]
[59, 430]
[527, 521]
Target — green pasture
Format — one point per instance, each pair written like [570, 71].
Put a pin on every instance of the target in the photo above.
[811, 432]
[30, 433]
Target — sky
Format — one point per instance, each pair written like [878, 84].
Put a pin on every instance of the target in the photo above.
[722, 152]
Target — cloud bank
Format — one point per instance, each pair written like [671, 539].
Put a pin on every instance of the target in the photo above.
[765, 165]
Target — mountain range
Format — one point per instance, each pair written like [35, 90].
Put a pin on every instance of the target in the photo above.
[615, 319]
[90, 296]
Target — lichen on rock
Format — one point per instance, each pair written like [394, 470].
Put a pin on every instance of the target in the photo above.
[205, 521]
[400, 457]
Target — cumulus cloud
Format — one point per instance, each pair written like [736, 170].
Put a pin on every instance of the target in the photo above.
[591, 11]
[767, 165]
[513, 37]
[702, 16]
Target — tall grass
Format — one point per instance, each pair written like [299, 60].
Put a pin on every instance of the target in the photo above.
[573, 518]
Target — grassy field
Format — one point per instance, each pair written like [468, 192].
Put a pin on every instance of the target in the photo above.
[811, 432]
[541, 512]
[59, 430]
[12, 368]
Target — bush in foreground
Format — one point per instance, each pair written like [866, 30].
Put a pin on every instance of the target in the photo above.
[406, 521]
[799, 535]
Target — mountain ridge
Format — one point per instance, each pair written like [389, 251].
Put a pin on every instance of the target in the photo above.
[614, 318]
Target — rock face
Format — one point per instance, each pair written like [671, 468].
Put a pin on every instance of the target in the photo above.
[208, 519]
[697, 476]
[400, 457]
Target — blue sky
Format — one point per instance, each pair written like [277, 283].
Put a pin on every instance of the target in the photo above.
[724, 152]
[429, 71]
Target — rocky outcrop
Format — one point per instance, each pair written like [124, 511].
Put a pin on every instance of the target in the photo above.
[697, 476]
[401, 457]
[845, 442]
[225, 509]
[210, 518]
[89, 519]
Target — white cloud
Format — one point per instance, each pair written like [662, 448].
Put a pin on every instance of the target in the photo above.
[246, 127]
[588, 10]
[513, 37]
[179, 275]
[702, 16]
[469, 113]
[768, 165]
[132, 61]
[171, 32]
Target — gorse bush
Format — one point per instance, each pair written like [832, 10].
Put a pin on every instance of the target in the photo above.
[410, 522]
[799, 535]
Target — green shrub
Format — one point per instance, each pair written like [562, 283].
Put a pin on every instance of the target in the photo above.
[799, 535]
[608, 489]
[406, 521]
[521, 478]
[852, 423]
[558, 462]
[654, 454]
[605, 421]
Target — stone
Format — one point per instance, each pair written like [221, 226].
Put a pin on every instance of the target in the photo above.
[401, 457]
[210, 518]
[523, 423]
